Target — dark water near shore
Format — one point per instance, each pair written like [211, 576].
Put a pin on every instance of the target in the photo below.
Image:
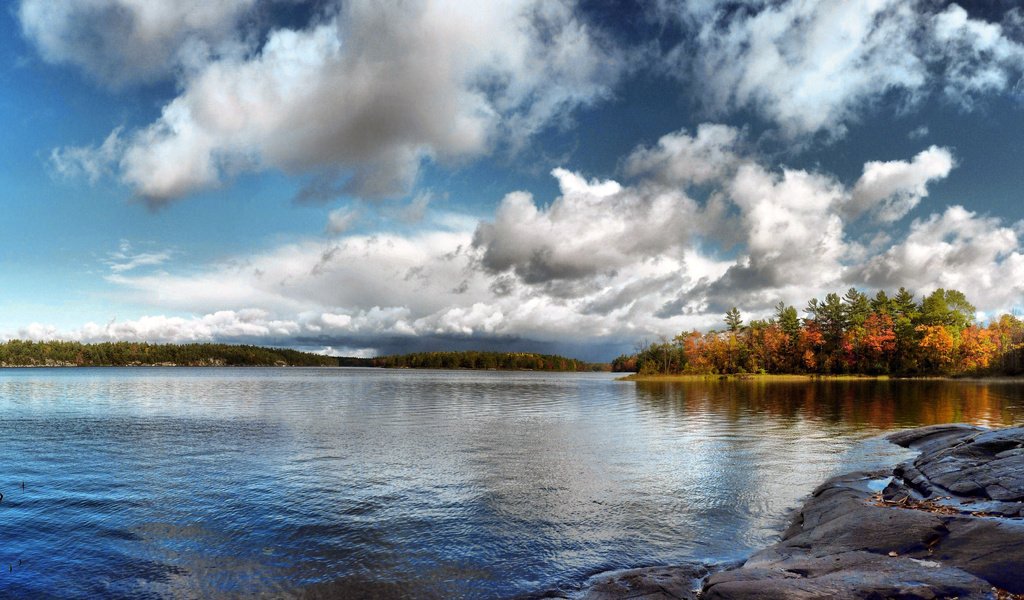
[369, 483]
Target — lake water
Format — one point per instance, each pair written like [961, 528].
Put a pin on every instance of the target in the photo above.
[207, 483]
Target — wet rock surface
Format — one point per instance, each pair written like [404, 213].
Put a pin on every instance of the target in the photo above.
[948, 524]
[654, 583]
[984, 468]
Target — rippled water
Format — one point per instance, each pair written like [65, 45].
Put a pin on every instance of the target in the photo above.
[370, 483]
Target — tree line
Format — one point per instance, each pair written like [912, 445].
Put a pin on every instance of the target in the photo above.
[853, 334]
[121, 354]
[22, 353]
[472, 359]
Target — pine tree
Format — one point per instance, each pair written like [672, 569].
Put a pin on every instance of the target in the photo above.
[858, 307]
[733, 320]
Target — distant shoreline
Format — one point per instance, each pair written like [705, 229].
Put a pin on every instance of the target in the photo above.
[59, 354]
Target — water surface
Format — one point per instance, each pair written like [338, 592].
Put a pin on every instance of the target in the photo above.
[179, 483]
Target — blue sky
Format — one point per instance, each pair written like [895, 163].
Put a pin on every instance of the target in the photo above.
[368, 177]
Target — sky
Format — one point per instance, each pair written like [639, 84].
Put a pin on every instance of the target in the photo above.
[369, 177]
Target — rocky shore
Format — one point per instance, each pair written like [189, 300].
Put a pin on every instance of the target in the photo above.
[946, 524]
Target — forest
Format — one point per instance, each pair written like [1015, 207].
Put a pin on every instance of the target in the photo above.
[18, 353]
[502, 361]
[851, 334]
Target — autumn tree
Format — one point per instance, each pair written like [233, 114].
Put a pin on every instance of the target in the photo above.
[936, 348]
[977, 347]
[879, 342]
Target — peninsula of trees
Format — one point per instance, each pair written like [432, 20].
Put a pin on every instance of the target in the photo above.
[852, 334]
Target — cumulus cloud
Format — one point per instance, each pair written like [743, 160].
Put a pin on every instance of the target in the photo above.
[786, 231]
[368, 94]
[226, 324]
[590, 229]
[812, 67]
[794, 239]
[892, 189]
[955, 249]
[126, 41]
[604, 262]
[680, 159]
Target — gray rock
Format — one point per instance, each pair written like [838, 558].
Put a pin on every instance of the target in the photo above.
[985, 465]
[652, 583]
[846, 575]
[933, 435]
[944, 528]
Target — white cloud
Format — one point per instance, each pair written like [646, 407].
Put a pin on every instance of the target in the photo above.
[955, 249]
[786, 231]
[681, 159]
[125, 259]
[91, 163]
[814, 66]
[981, 58]
[892, 189]
[601, 263]
[368, 95]
[341, 220]
[918, 132]
[806, 65]
[225, 324]
[125, 41]
[591, 229]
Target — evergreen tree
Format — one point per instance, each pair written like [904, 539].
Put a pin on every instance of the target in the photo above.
[733, 320]
[881, 304]
[787, 319]
[858, 307]
[903, 304]
[832, 319]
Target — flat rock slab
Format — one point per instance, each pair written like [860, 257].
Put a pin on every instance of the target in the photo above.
[981, 465]
[849, 543]
[652, 583]
[847, 575]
